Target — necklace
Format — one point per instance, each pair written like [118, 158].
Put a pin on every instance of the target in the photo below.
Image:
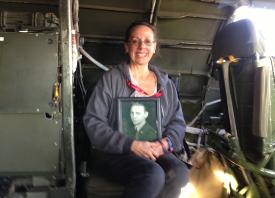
[139, 79]
[142, 81]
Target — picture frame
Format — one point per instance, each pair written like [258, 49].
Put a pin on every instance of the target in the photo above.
[140, 118]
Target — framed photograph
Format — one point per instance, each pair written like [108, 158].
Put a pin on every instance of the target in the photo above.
[140, 118]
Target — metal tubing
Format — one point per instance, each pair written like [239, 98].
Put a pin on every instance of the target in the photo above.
[182, 15]
[180, 44]
[152, 10]
[67, 92]
[156, 11]
[112, 9]
[93, 60]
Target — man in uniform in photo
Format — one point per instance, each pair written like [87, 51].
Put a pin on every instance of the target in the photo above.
[140, 129]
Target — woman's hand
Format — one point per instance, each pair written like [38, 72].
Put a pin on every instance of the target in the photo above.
[161, 146]
[145, 149]
[150, 150]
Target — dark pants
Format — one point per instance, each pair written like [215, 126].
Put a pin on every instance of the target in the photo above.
[144, 178]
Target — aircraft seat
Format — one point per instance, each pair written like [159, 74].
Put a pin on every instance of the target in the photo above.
[249, 81]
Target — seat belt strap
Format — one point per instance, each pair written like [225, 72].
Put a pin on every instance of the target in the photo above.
[225, 69]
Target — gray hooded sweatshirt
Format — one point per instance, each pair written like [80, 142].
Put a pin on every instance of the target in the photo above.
[100, 119]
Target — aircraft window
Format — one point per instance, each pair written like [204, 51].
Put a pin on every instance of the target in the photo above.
[262, 19]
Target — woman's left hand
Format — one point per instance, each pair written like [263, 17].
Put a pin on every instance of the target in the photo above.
[157, 148]
[160, 148]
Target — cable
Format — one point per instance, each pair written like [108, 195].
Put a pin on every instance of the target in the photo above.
[82, 51]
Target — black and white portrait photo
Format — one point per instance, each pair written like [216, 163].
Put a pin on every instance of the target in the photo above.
[139, 118]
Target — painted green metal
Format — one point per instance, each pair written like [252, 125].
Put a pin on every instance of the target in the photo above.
[67, 94]
[28, 72]
[30, 122]
[187, 29]
[229, 147]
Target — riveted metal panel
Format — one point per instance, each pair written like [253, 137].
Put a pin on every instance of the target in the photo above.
[199, 7]
[101, 22]
[133, 4]
[189, 29]
[29, 143]
[28, 71]
[30, 134]
[175, 60]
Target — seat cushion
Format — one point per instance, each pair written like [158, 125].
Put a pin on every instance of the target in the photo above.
[99, 187]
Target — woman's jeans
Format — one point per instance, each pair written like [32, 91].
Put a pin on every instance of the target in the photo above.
[144, 178]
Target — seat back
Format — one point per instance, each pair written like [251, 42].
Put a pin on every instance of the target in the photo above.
[249, 83]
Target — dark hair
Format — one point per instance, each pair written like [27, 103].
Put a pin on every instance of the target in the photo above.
[137, 23]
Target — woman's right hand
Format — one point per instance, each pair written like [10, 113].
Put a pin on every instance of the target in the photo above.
[145, 149]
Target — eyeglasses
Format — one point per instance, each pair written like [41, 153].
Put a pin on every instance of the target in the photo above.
[137, 42]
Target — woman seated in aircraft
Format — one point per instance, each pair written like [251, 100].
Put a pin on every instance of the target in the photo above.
[146, 168]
